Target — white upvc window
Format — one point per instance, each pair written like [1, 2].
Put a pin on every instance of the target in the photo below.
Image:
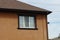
[26, 22]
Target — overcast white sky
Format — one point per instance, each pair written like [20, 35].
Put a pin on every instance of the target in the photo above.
[53, 18]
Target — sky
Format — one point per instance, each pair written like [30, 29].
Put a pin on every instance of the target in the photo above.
[53, 18]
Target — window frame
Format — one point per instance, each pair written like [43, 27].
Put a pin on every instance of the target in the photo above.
[28, 28]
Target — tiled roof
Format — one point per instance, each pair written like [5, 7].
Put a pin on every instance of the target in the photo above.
[13, 4]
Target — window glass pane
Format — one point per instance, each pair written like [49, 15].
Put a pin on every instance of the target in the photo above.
[31, 22]
[26, 21]
[21, 21]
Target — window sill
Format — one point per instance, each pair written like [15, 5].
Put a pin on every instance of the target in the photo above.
[28, 28]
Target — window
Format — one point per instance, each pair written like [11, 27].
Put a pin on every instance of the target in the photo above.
[27, 22]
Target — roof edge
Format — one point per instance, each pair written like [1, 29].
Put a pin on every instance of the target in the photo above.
[24, 11]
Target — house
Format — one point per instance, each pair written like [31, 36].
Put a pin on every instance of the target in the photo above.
[56, 38]
[21, 21]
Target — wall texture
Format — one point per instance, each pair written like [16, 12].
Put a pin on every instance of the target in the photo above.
[9, 31]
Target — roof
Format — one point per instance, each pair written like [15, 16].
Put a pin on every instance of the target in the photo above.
[55, 39]
[14, 4]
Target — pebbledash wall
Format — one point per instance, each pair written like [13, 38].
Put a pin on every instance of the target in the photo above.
[9, 28]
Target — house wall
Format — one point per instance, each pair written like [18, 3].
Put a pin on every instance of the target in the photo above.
[9, 31]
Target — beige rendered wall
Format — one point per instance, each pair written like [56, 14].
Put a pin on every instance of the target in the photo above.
[9, 31]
